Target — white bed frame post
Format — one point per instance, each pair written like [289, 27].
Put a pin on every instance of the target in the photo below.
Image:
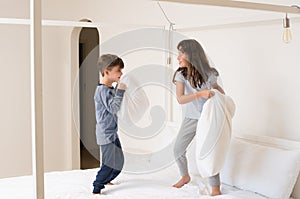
[36, 98]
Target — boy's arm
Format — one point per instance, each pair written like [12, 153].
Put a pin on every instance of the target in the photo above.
[113, 102]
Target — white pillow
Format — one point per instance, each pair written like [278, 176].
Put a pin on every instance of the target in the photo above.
[213, 134]
[265, 170]
[135, 102]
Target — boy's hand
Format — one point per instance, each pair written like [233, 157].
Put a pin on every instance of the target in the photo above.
[122, 86]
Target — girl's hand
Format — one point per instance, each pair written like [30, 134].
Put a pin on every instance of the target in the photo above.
[211, 94]
[204, 93]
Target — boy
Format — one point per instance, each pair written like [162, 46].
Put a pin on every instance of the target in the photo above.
[107, 103]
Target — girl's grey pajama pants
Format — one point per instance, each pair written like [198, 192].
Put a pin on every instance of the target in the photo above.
[185, 136]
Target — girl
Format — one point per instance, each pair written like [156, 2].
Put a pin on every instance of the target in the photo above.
[194, 78]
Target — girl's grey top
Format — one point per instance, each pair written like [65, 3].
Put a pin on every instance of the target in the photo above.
[107, 103]
[193, 109]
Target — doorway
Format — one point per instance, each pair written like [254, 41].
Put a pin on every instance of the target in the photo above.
[88, 81]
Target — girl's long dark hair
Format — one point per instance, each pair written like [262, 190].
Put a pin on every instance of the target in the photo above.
[199, 70]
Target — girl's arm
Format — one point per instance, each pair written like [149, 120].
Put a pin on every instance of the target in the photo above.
[183, 99]
[219, 88]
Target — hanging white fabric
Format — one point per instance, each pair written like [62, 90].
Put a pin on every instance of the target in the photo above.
[213, 134]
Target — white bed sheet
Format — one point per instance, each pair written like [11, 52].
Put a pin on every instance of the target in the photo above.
[77, 184]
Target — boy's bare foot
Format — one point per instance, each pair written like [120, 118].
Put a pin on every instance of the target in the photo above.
[184, 180]
[215, 191]
[109, 183]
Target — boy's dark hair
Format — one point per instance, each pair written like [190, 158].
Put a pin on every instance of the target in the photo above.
[108, 61]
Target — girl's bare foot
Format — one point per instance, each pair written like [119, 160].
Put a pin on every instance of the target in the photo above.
[184, 180]
[215, 191]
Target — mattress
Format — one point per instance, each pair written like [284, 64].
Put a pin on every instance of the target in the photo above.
[77, 184]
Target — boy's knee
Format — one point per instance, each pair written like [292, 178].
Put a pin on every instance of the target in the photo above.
[120, 166]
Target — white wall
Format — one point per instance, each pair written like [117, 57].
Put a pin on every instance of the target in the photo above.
[60, 77]
[258, 70]
[56, 80]
[15, 140]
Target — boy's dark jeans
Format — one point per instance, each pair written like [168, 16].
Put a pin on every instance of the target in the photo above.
[112, 164]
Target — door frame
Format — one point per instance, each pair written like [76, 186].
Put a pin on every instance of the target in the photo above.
[74, 136]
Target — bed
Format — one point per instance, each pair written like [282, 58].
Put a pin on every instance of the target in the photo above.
[77, 183]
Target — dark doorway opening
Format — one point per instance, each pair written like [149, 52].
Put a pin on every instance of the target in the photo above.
[88, 80]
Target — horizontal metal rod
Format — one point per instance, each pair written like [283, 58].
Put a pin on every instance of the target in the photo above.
[233, 25]
[16, 21]
[241, 4]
